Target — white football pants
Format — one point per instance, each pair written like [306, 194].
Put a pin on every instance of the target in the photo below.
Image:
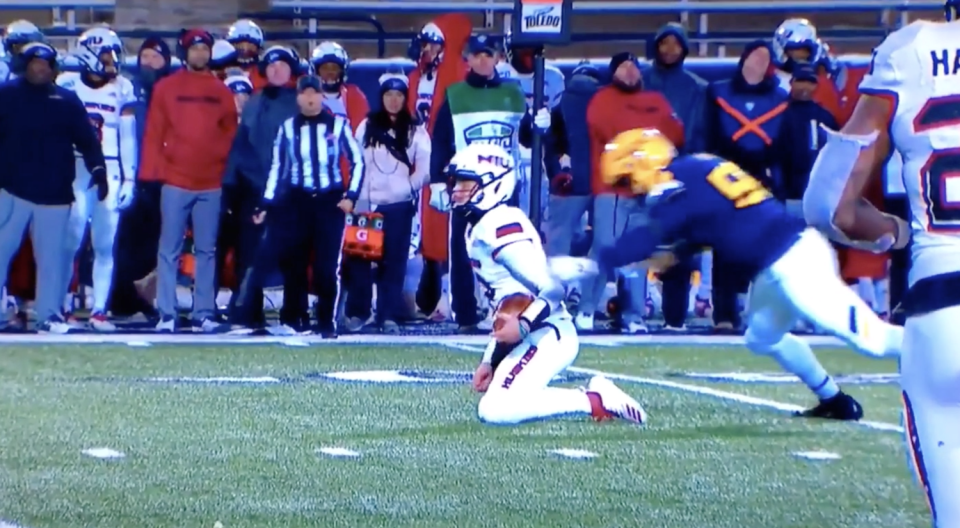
[103, 218]
[519, 391]
[930, 379]
[804, 284]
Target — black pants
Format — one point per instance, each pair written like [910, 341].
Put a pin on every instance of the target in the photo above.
[430, 288]
[138, 236]
[899, 260]
[391, 269]
[727, 284]
[299, 221]
[462, 281]
[676, 292]
[239, 232]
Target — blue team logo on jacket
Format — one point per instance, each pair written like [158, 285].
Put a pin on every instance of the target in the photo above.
[490, 132]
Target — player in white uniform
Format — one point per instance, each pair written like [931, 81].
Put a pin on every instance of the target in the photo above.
[109, 99]
[540, 342]
[18, 34]
[909, 103]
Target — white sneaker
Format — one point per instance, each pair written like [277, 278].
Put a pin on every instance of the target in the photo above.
[100, 323]
[54, 325]
[617, 402]
[281, 330]
[583, 322]
[166, 324]
[636, 328]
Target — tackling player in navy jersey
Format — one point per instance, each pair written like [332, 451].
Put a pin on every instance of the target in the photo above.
[700, 200]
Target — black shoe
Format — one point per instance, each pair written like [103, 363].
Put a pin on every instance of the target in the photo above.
[326, 332]
[840, 407]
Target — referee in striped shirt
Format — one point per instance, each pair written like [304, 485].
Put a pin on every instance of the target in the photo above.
[304, 203]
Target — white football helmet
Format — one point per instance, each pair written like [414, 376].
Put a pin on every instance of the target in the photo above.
[794, 33]
[100, 52]
[494, 170]
[330, 52]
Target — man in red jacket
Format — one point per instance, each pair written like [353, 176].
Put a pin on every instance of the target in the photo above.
[621, 106]
[190, 126]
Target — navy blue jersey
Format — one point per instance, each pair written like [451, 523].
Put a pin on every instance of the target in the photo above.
[711, 203]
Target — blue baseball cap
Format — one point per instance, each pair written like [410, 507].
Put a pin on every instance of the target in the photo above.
[805, 71]
[483, 44]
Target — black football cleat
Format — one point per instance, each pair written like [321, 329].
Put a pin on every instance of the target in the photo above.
[840, 407]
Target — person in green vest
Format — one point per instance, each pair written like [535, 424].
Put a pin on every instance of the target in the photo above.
[480, 109]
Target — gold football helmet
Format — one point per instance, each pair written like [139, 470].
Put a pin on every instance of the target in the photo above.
[637, 159]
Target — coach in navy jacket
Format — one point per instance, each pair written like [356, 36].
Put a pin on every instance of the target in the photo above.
[41, 124]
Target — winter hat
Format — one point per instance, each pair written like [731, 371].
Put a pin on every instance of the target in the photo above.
[805, 71]
[308, 82]
[223, 55]
[588, 69]
[622, 57]
[239, 84]
[192, 37]
[39, 50]
[280, 53]
[393, 81]
[156, 44]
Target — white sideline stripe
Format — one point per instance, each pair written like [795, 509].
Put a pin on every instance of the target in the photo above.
[4, 524]
[194, 339]
[707, 391]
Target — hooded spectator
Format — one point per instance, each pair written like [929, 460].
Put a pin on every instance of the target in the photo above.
[139, 231]
[685, 90]
[687, 94]
[744, 116]
[570, 189]
[801, 136]
[623, 105]
[249, 162]
[396, 154]
[190, 126]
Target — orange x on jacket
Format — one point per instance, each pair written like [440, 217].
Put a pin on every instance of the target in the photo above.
[456, 29]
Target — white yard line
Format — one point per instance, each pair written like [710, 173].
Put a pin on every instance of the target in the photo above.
[706, 391]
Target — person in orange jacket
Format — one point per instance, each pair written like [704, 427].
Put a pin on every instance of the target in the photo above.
[438, 52]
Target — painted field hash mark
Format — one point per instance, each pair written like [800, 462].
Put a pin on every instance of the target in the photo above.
[338, 452]
[817, 455]
[103, 453]
[580, 454]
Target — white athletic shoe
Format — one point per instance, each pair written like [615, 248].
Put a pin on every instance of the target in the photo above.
[100, 323]
[584, 322]
[617, 402]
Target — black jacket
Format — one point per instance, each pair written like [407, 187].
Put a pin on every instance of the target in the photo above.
[39, 128]
[800, 140]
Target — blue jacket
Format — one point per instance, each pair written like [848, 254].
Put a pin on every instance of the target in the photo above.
[727, 136]
[685, 90]
[40, 126]
[800, 140]
[252, 149]
[569, 127]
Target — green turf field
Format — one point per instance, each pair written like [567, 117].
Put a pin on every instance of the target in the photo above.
[246, 453]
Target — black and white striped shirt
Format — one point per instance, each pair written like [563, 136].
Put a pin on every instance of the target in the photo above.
[306, 155]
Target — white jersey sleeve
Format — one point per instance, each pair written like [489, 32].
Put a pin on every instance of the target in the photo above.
[126, 95]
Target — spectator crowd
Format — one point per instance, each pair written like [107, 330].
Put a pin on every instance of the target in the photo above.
[258, 168]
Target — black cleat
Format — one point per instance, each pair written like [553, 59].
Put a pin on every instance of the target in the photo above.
[840, 407]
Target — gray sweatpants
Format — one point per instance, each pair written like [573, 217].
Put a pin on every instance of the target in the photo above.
[47, 224]
[612, 215]
[176, 207]
[565, 218]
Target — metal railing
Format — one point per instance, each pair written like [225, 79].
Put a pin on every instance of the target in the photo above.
[608, 8]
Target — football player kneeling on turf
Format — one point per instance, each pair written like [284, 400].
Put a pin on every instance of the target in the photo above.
[533, 338]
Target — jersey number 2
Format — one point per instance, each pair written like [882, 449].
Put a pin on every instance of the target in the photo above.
[737, 186]
[942, 165]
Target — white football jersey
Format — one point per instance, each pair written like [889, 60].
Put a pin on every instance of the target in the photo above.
[104, 106]
[501, 226]
[918, 67]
